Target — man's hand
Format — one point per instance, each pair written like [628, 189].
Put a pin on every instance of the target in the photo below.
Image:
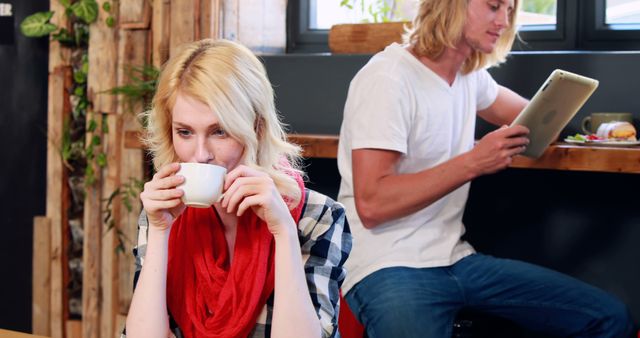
[495, 150]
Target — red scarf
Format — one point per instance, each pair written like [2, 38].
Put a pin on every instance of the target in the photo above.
[208, 297]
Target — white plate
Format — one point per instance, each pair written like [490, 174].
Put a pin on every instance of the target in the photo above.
[604, 143]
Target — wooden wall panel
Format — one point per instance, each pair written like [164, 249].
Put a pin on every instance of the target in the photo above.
[160, 31]
[183, 23]
[41, 278]
[135, 14]
[103, 51]
[91, 251]
[57, 56]
[131, 166]
[58, 194]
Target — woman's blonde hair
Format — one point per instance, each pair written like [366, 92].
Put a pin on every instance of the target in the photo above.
[230, 79]
[439, 24]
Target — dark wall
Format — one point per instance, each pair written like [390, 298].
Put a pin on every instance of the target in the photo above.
[583, 224]
[23, 125]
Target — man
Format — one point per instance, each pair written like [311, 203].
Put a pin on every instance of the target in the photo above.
[407, 156]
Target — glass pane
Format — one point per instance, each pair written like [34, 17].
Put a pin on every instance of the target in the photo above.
[325, 13]
[623, 12]
[538, 12]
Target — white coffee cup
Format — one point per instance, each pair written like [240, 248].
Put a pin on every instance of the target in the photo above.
[202, 185]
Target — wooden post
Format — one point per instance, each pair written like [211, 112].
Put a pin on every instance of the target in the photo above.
[131, 164]
[58, 195]
[91, 250]
[41, 286]
[183, 23]
[160, 30]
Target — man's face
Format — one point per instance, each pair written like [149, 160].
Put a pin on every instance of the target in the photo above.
[486, 21]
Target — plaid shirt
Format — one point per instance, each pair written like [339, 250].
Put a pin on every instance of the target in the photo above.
[325, 243]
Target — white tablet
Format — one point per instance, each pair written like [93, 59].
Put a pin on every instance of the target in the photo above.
[552, 107]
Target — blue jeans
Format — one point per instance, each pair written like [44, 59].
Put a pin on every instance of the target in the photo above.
[409, 302]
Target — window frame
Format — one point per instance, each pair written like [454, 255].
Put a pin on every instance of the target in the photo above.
[580, 25]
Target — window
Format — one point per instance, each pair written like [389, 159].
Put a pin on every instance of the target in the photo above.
[545, 24]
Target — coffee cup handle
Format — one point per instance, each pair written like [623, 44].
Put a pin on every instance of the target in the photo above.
[586, 121]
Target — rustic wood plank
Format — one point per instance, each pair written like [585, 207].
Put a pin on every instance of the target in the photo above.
[316, 146]
[41, 285]
[580, 158]
[364, 38]
[135, 14]
[109, 257]
[183, 23]
[59, 108]
[91, 250]
[103, 51]
[131, 167]
[15, 334]
[160, 30]
[74, 328]
[210, 19]
[58, 55]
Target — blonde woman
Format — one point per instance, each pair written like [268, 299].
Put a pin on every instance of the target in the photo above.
[266, 261]
[405, 181]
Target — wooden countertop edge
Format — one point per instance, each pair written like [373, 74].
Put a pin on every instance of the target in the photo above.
[559, 156]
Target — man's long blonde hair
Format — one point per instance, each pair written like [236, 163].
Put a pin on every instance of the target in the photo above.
[439, 24]
[230, 79]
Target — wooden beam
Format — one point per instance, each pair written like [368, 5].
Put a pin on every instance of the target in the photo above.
[59, 109]
[103, 52]
[131, 168]
[183, 23]
[91, 250]
[135, 14]
[584, 158]
[161, 31]
[58, 55]
[41, 286]
[74, 328]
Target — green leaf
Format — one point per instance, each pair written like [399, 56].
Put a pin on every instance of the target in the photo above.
[106, 6]
[64, 37]
[101, 160]
[110, 21]
[65, 3]
[92, 126]
[85, 10]
[95, 140]
[37, 25]
[79, 91]
[79, 77]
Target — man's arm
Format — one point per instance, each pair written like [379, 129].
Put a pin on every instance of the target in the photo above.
[505, 108]
[381, 194]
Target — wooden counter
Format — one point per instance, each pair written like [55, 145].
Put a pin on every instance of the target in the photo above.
[560, 156]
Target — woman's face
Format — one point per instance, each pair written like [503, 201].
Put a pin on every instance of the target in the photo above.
[198, 137]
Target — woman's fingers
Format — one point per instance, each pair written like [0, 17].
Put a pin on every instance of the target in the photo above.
[240, 189]
[167, 170]
[241, 171]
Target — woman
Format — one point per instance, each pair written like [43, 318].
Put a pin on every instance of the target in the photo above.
[264, 261]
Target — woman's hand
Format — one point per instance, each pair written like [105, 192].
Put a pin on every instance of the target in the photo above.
[161, 198]
[250, 188]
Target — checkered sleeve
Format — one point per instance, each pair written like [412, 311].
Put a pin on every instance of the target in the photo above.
[325, 242]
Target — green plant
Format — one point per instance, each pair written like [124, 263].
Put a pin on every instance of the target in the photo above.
[375, 10]
[140, 87]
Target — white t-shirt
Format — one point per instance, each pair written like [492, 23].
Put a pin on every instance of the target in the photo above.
[397, 103]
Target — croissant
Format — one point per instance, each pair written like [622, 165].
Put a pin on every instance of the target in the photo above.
[622, 131]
